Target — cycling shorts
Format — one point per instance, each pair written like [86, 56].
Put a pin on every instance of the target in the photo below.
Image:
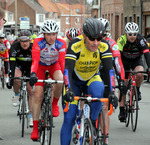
[25, 70]
[131, 65]
[41, 72]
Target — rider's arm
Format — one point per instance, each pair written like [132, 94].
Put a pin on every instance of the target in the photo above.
[145, 50]
[12, 60]
[106, 57]
[70, 60]
[62, 53]
[35, 56]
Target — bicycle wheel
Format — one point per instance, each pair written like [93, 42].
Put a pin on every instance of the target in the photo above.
[3, 77]
[127, 107]
[75, 135]
[50, 121]
[23, 113]
[42, 124]
[101, 128]
[88, 138]
[134, 109]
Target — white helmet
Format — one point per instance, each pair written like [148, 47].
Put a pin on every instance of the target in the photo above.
[72, 32]
[131, 27]
[2, 35]
[105, 23]
[10, 38]
[50, 26]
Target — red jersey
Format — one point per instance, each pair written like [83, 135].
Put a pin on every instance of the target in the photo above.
[46, 55]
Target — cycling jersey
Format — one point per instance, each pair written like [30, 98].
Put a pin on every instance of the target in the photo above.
[20, 58]
[45, 54]
[117, 57]
[133, 51]
[83, 63]
[4, 48]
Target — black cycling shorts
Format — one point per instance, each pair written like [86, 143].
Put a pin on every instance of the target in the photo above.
[131, 65]
[26, 70]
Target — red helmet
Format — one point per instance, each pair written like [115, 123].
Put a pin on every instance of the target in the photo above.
[72, 32]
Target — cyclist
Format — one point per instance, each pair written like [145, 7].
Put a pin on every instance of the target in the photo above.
[4, 48]
[72, 33]
[2, 20]
[132, 45]
[48, 53]
[84, 55]
[20, 64]
[117, 63]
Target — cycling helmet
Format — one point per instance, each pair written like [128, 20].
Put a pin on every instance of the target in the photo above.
[72, 32]
[131, 27]
[50, 26]
[105, 23]
[25, 34]
[2, 35]
[10, 38]
[93, 28]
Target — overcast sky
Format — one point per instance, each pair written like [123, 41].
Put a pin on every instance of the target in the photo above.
[89, 1]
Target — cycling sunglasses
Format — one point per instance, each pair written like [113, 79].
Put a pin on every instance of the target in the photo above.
[93, 39]
[132, 34]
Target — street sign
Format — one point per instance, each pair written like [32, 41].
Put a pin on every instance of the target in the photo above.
[24, 23]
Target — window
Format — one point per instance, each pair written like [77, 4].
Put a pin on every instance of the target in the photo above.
[41, 18]
[130, 19]
[55, 15]
[147, 21]
[67, 20]
[10, 17]
[50, 15]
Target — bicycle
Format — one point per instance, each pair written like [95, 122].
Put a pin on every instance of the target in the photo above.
[82, 132]
[23, 110]
[46, 115]
[131, 103]
[2, 72]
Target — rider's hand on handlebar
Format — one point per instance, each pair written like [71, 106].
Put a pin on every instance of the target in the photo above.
[69, 96]
[113, 99]
[33, 79]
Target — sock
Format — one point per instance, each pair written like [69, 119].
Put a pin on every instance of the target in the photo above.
[35, 124]
[17, 94]
[30, 115]
[55, 100]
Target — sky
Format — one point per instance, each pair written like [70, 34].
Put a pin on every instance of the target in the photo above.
[89, 1]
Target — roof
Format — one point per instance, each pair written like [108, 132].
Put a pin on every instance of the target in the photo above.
[47, 5]
[31, 3]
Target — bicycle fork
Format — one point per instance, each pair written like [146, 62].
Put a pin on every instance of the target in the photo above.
[86, 114]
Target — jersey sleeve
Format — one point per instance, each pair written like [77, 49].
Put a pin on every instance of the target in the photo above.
[62, 53]
[70, 59]
[106, 58]
[35, 56]
[12, 61]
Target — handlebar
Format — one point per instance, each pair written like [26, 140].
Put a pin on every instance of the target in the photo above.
[90, 99]
[50, 81]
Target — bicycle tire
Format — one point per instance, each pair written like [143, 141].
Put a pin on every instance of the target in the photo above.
[134, 109]
[88, 137]
[75, 135]
[3, 77]
[42, 124]
[101, 131]
[127, 107]
[23, 113]
[50, 120]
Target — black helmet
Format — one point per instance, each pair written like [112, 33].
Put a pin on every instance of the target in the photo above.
[25, 34]
[93, 28]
